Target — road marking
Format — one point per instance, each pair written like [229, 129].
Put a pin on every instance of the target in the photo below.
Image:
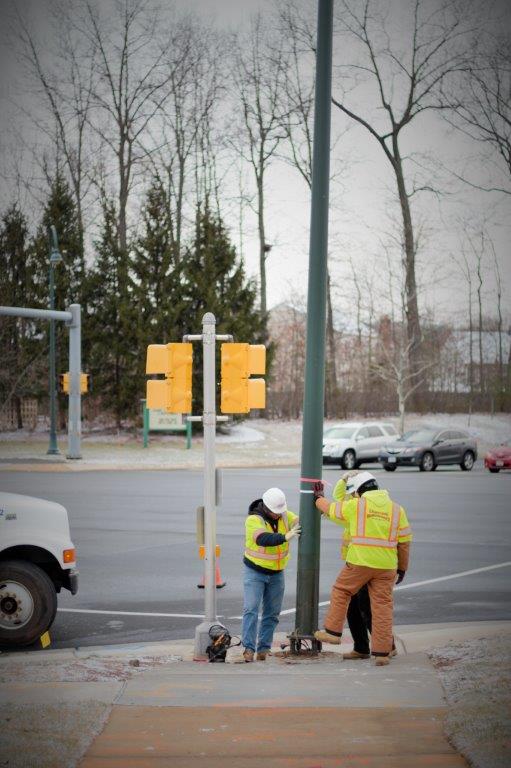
[135, 613]
[289, 610]
[415, 584]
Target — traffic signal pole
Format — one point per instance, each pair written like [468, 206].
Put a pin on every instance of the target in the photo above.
[209, 421]
[307, 591]
[239, 394]
[72, 318]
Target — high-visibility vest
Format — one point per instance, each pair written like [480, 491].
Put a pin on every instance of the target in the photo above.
[273, 558]
[376, 525]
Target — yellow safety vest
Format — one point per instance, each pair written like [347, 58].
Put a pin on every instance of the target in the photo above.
[376, 525]
[273, 558]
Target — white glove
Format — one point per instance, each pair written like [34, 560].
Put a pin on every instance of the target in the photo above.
[295, 531]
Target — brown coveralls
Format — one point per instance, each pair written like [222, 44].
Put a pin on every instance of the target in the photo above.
[380, 584]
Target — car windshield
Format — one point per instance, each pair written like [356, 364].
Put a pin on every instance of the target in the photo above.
[337, 433]
[418, 436]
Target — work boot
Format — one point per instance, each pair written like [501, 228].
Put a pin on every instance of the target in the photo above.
[393, 652]
[261, 655]
[325, 637]
[248, 655]
[382, 661]
[355, 655]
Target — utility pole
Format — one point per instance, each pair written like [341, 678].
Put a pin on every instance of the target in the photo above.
[307, 591]
[55, 258]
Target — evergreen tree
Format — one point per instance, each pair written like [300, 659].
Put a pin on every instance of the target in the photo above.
[24, 356]
[215, 281]
[70, 278]
[114, 355]
[156, 277]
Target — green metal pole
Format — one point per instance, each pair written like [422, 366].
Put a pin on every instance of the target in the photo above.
[55, 257]
[188, 435]
[307, 592]
[145, 422]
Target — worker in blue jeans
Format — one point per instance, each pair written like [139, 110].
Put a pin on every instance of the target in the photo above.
[269, 528]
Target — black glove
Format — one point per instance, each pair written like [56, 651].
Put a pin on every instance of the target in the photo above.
[400, 576]
[318, 490]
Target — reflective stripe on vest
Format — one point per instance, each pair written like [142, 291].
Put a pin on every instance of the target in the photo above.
[337, 511]
[405, 531]
[370, 541]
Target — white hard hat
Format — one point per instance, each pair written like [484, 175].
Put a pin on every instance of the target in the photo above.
[354, 483]
[275, 500]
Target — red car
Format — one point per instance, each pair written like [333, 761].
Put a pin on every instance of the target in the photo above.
[499, 457]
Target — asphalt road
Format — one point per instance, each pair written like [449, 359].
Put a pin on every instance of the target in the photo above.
[137, 551]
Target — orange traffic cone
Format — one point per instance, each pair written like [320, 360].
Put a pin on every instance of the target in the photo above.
[219, 583]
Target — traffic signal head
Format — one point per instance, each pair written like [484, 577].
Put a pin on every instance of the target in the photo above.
[174, 393]
[239, 393]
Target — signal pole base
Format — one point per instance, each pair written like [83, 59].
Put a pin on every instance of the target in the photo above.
[301, 644]
[203, 639]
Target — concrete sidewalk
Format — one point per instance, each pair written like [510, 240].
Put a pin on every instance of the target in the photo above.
[152, 705]
[115, 708]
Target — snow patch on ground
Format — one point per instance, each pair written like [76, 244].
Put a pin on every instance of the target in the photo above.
[255, 442]
[476, 676]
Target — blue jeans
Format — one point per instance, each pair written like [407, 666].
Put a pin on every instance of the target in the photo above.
[267, 589]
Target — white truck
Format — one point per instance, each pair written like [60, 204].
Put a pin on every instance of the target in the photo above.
[37, 559]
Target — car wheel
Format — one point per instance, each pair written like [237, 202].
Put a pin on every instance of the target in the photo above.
[28, 603]
[494, 470]
[389, 467]
[427, 462]
[467, 461]
[349, 460]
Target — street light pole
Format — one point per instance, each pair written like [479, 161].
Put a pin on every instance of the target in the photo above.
[307, 591]
[55, 258]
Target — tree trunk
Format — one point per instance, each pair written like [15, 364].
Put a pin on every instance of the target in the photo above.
[331, 368]
[411, 304]
[262, 243]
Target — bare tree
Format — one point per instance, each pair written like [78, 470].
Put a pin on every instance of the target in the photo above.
[480, 107]
[131, 80]
[65, 87]
[407, 84]
[394, 368]
[260, 77]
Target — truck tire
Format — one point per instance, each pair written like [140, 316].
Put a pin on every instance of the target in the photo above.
[28, 603]
[389, 467]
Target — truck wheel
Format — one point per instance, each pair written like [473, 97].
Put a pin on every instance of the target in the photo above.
[349, 459]
[28, 603]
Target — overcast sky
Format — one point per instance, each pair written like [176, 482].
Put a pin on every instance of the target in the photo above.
[362, 200]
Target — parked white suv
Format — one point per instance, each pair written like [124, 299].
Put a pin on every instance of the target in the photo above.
[353, 443]
[37, 559]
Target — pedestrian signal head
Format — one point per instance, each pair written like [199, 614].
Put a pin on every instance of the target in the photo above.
[355, 484]
[275, 500]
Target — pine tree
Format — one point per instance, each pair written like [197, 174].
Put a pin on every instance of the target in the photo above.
[114, 355]
[156, 276]
[70, 278]
[24, 356]
[215, 281]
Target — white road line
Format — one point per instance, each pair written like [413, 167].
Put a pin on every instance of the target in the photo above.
[135, 613]
[416, 583]
[289, 610]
